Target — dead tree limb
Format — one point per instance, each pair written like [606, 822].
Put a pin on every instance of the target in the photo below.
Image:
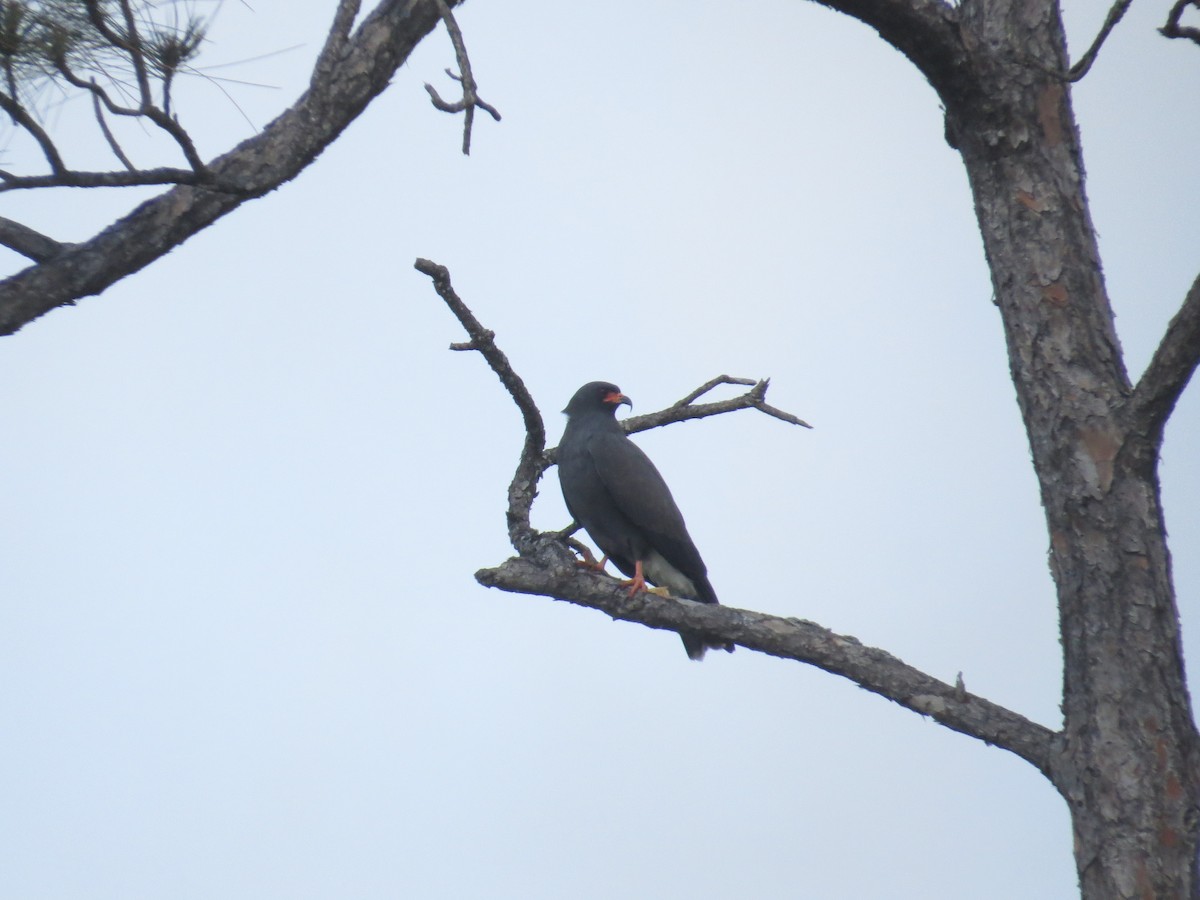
[545, 566]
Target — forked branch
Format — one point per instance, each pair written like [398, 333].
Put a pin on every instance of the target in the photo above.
[470, 98]
[546, 567]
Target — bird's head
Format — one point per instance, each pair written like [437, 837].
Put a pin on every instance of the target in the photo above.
[596, 396]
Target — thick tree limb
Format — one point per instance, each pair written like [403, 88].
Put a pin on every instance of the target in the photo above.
[797, 639]
[925, 31]
[380, 44]
[1170, 369]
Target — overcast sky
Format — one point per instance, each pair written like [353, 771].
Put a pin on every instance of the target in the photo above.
[242, 653]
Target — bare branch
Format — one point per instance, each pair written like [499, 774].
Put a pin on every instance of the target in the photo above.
[67, 178]
[1115, 13]
[803, 641]
[471, 98]
[27, 242]
[532, 463]
[133, 45]
[1175, 30]
[709, 385]
[684, 410]
[171, 126]
[1170, 368]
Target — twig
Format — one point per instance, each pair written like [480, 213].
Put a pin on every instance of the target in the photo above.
[21, 117]
[1115, 13]
[108, 135]
[709, 385]
[1173, 29]
[471, 98]
[130, 42]
[684, 410]
[146, 110]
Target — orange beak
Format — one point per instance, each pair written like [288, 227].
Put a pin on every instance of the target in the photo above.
[616, 398]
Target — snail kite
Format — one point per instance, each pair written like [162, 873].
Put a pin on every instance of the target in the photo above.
[614, 491]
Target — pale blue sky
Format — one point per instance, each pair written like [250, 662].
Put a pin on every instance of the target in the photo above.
[242, 654]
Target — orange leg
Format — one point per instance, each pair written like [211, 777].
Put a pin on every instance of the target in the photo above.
[638, 581]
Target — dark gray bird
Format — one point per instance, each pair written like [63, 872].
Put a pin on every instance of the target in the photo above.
[615, 492]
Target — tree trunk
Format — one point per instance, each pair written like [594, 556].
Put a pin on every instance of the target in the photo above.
[1127, 761]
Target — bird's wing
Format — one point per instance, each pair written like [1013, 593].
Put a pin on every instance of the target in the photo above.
[642, 496]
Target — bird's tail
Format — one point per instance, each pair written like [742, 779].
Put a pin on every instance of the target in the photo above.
[697, 645]
[694, 643]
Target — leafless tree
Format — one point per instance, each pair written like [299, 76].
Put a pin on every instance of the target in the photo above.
[1126, 757]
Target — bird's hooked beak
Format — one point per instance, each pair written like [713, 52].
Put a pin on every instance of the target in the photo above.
[616, 398]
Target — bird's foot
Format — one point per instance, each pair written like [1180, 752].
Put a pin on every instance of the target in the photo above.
[590, 562]
[638, 581]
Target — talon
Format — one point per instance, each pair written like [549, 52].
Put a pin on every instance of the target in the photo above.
[590, 563]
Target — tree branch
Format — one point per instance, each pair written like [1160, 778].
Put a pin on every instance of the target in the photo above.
[1170, 369]
[146, 110]
[27, 242]
[1115, 13]
[471, 98]
[380, 44]
[69, 178]
[796, 639]
[20, 116]
[684, 409]
[925, 31]
[533, 462]
[338, 38]
[109, 136]
[1173, 29]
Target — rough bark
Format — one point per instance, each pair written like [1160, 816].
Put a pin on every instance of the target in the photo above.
[1127, 764]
